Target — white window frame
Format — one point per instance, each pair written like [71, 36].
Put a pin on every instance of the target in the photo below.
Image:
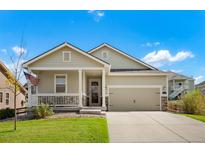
[65, 82]
[7, 98]
[1, 100]
[36, 89]
[106, 52]
[64, 56]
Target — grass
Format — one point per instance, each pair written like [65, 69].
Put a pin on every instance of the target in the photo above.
[64, 130]
[197, 117]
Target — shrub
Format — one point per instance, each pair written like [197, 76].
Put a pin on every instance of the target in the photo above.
[7, 113]
[42, 111]
[194, 102]
[175, 106]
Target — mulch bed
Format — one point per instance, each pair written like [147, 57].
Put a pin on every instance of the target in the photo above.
[72, 115]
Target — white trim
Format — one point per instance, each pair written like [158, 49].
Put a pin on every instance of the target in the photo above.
[29, 91]
[138, 73]
[103, 88]
[167, 85]
[95, 49]
[56, 94]
[69, 52]
[80, 73]
[139, 86]
[65, 83]
[66, 68]
[84, 83]
[134, 86]
[59, 47]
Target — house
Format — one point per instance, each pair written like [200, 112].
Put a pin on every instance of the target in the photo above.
[201, 87]
[179, 85]
[105, 78]
[6, 94]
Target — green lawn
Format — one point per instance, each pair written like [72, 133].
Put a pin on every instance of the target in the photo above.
[72, 130]
[197, 117]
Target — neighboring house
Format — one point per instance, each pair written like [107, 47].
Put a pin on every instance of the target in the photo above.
[201, 87]
[179, 85]
[104, 77]
[6, 94]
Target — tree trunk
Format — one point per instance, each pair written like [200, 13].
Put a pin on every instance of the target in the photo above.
[15, 114]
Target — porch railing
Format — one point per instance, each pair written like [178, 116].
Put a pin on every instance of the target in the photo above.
[59, 100]
[177, 87]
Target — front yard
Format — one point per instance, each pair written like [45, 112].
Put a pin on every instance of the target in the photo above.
[63, 130]
[197, 117]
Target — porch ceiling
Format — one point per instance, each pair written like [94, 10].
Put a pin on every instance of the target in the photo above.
[93, 73]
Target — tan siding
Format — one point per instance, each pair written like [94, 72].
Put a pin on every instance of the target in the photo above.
[136, 80]
[134, 99]
[46, 84]
[4, 87]
[56, 60]
[118, 60]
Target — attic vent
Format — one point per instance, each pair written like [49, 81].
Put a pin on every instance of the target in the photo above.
[66, 56]
[105, 55]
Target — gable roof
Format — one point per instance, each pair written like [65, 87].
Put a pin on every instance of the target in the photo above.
[179, 76]
[201, 84]
[4, 69]
[122, 53]
[65, 44]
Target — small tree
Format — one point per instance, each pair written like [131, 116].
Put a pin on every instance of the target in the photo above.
[14, 77]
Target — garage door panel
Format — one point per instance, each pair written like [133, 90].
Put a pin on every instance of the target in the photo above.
[134, 99]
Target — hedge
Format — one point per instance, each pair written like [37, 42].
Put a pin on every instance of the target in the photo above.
[6, 113]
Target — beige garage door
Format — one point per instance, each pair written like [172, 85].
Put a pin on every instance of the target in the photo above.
[134, 99]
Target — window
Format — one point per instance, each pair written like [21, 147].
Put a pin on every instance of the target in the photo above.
[33, 89]
[105, 55]
[60, 83]
[7, 98]
[66, 56]
[1, 97]
[22, 103]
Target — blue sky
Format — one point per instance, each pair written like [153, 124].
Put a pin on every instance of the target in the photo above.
[169, 40]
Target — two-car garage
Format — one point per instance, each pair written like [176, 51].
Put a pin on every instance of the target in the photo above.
[135, 93]
[134, 99]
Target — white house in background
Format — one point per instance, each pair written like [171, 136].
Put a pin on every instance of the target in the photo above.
[104, 78]
[6, 94]
[179, 85]
[201, 87]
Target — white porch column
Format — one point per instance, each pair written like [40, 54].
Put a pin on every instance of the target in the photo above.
[80, 88]
[173, 84]
[29, 91]
[103, 88]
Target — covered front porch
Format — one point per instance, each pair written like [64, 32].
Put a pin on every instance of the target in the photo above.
[71, 89]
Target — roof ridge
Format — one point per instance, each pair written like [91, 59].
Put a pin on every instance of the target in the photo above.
[2, 65]
[122, 52]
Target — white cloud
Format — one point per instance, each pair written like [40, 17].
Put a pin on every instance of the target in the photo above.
[100, 14]
[91, 11]
[177, 71]
[18, 50]
[162, 57]
[97, 15]
[4, 51]
[198, 79]
[151, 44]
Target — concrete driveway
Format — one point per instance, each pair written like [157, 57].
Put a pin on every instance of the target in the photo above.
[153, 127]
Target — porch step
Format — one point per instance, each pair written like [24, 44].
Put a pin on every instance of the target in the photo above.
[91, 111]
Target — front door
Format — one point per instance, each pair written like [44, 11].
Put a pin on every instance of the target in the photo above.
[94, 92]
